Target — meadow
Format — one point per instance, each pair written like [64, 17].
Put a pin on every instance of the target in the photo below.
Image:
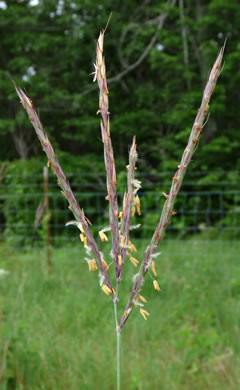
[58, 330]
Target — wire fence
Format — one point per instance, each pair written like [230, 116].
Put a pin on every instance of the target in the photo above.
[206, 209]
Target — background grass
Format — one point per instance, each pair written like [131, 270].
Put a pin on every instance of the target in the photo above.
[57, 330]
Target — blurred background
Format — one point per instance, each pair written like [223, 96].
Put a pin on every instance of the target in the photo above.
[158, 58]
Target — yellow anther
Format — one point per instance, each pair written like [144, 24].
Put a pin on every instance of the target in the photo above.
[137, 203]
[92, 265]
[165, 195]
[144, 313]
[106, 289]
[133, 211]
[127, 166]
[120, 260]
[156, 285]
[80, 227]
[82, 237]
[103, 236]
[105, 265]
[120, 214]
[153, 268]
[134, 261]
[131, 247]
[122, 240]
[142, 298]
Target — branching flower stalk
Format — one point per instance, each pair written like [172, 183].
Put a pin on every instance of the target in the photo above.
[120, 222]
[177, 179]
[128, 205]
[100, 76]
[81, 220]
[120, 238]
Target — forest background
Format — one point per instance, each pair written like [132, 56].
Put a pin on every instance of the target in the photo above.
[158, 57]
[57, 330]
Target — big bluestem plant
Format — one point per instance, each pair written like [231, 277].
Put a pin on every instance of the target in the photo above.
[120, 220]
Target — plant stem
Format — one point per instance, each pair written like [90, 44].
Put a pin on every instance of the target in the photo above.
[118, 360]
[118, 334]
[48, 216]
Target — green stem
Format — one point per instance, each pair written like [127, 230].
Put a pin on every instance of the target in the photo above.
[118, 334]
[118, 360]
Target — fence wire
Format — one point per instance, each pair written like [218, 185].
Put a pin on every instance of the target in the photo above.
[207, 210]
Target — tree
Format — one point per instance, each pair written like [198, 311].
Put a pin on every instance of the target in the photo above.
[159, 53]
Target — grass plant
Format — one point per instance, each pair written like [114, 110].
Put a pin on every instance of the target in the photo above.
[57, 331]
[122, 248]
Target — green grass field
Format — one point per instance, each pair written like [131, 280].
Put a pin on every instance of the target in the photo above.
[57, 330]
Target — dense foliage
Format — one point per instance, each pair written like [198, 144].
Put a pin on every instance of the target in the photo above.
[158, 56]
[48, 47]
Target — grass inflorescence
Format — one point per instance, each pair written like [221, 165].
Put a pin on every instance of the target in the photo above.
[122, 246]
